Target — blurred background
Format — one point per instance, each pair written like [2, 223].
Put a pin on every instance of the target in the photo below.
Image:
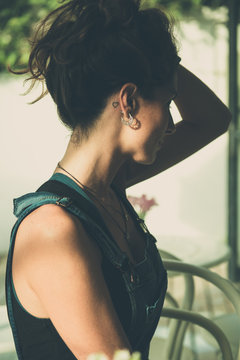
[197, 216]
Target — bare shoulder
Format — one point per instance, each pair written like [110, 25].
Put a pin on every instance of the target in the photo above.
[64, 269]
[49, 218]
[49, 231]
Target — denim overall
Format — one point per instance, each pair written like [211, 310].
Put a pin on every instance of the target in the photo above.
[145, 283]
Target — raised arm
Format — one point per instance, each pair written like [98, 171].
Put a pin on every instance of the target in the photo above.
[205, 118]
[199, 106]
[64, 270]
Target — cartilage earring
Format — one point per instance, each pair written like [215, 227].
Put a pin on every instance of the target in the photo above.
[125, 122]
[131, 122]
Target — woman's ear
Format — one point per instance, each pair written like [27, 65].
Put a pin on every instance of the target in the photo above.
[128, 99]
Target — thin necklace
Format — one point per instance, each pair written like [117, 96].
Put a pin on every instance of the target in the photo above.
[122, 212]
[91, 191]
[83, 186]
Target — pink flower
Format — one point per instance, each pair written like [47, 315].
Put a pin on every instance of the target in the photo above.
[145, 204]
[142, 204]
[133, 200]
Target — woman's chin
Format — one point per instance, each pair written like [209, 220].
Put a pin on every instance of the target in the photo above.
[147, 160]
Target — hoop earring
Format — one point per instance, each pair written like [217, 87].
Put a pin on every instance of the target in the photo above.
[134, 123]
[131, 122]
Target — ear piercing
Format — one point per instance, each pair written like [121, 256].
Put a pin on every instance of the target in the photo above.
[131, 122]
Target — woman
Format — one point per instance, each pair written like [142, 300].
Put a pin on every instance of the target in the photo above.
[85, 275]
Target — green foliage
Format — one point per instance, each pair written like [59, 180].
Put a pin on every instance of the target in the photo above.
[17, 18]
[186, 7]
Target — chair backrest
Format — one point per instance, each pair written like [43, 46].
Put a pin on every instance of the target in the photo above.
[185, 316]
[177, 327]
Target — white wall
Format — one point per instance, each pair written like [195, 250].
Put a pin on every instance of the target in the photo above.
[32, 142]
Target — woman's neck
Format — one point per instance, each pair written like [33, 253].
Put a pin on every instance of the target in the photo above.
[94, 163]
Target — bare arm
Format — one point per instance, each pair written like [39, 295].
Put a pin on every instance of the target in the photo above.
[205, 118]
[64, 268]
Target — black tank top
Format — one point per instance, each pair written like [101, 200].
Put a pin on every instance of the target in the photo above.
[36, 333]
[38, 339]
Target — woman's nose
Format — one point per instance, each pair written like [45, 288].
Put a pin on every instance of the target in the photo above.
[171, 126]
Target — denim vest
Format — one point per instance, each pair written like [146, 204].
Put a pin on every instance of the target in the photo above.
[145, 282]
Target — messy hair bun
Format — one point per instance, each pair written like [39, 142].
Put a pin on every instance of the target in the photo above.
[85, 50]
[118, 11]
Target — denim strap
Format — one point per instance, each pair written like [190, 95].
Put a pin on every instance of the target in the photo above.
[26, 204]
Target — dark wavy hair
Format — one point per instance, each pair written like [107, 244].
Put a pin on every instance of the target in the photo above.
[85, 50]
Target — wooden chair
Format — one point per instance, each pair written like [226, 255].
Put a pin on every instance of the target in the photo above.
[225, 329]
